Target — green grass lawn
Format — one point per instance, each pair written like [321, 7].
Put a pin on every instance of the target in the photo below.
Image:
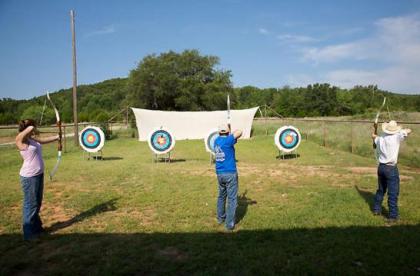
[128, 215]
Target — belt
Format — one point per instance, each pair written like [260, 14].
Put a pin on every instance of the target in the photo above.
[389, 164]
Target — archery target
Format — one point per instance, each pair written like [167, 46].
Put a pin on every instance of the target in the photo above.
[161, 141]
[287, 138]
[92, 139]
[209, 140]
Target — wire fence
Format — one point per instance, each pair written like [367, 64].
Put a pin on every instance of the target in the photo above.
[347, 135]
[9, 132]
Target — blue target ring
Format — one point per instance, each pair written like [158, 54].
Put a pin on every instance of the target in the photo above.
[210, 139]
[287, 138]
[161, 141]
[91, 139]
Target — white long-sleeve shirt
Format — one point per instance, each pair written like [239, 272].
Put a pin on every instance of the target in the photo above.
[388, 146]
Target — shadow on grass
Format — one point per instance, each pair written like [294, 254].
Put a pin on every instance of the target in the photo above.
[242, 208]
[329, 250]
[166, 160]
[100, 208]
[369, 197]
[112, 158]
[288, 156]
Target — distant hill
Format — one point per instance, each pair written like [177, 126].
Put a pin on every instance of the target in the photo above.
[99, 101]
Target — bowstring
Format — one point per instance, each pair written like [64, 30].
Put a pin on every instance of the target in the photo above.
[43, 110]
[387, 108]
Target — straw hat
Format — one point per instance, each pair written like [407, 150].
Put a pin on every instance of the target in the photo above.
[391, 127]
[223, 128]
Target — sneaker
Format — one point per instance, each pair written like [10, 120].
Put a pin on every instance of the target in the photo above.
[230, 228]
[377, 213]
[392, 221]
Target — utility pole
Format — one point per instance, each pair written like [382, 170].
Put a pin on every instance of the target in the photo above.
[76, 128]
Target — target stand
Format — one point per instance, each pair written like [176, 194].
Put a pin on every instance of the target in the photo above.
[287, 155]
[287, 139]
[161, 142]
[92, 140]
[165, 158]
[212, 159]
[94, 155]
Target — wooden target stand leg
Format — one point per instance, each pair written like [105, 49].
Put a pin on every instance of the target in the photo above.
[212, 159]
[95, 156]
[166, 158]
[282, 154]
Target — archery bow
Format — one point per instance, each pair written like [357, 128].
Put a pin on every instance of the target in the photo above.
[228, 111]
[60, 146]
[375, 124]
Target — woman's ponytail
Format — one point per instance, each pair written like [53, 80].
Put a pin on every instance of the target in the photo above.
[23, 124]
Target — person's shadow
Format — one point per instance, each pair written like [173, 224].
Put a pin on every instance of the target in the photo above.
[242, 208]
[100, 208]
[369, 197]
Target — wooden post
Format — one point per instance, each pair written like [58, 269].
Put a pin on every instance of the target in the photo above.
[73, 32]
[325, 134]
[65, 139]
[126, 119]
[352, 137]
[265, 118]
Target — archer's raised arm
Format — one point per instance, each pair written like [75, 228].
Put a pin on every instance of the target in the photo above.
[237, 133]
[21, 136]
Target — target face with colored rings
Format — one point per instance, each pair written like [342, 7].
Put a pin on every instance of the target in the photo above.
[287, 138]
[92, 139]
[161, 141]
[209, 140]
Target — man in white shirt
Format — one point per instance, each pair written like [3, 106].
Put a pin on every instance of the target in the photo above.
[387, 146]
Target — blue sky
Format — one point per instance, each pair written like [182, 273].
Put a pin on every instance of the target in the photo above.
[263, 43]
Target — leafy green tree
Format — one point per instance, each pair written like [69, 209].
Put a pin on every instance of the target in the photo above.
[179, 81]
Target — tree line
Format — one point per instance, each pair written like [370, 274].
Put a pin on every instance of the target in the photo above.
[191, 81]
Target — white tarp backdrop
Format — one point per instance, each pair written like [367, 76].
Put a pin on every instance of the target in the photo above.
[191, 124]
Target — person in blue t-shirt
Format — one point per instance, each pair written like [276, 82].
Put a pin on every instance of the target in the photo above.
[227, 175]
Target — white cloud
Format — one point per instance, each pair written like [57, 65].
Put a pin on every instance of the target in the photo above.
[263, 31]
[354, 50]
[394, 42]
[105, 30]
[394, 39]
[395, 78]
[290, 38]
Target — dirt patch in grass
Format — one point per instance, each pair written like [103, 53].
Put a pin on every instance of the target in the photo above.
[291, 175]
[363, 170]
[145, 216]
[269, 171]
[54, 213]
[372, 171]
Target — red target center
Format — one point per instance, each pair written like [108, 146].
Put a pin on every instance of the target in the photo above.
[91, 138]
[289, 139]
[161, 140]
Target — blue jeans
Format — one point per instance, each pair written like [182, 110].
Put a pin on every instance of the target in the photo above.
[228, 188]
[33, 188]
[388, 179]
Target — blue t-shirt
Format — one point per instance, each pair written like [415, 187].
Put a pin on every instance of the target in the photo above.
[225, 154]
